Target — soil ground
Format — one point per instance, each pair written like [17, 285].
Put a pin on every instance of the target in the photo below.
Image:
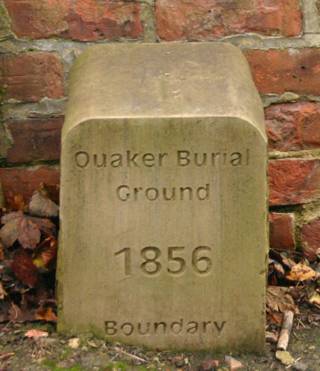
[18, 352]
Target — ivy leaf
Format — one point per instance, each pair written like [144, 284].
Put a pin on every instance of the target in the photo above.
[24, 269]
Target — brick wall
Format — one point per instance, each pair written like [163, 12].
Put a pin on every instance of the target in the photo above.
[39, 40]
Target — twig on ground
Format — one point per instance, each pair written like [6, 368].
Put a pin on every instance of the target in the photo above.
[130, 355]
[285, 330]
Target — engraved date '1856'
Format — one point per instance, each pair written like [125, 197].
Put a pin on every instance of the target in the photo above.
[173, 261]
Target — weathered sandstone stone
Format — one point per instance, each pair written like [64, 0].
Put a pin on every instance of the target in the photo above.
[163, 196]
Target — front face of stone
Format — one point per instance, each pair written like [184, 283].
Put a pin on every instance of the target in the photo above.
[164, 232]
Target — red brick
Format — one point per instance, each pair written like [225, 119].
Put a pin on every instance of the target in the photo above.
[282, 231]
[37, 139]
[294, 181]
[21, 181]
[310, 237]
[278, 71]
[209, 19]
[31, 76]
[293, 126]
[83, 20]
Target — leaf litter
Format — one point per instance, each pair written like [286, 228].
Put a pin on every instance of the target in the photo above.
[28, 251]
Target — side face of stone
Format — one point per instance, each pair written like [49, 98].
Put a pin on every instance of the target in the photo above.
[164, 233]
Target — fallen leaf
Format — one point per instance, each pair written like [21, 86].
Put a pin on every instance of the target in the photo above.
[14, 313]
[24, 269]
[233, 363]
[41, 205]
[92, 344]
[10, 231]
[289, 263]
[301, 272]
[29, 234]
[25, 229]
[284, 357]
[276, 267]
[271, 337]
[36, 334]
[280, 300]
[18, 202]
[1, 252]
[74, 343]
[209, 364]
[309, 253]
[279, 268]
[46, 314]
[3, 292]
[274, 317]
[315, 299]
[46, 253]
[52, 191]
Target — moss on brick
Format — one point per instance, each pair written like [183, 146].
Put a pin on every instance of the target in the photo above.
[5, 30]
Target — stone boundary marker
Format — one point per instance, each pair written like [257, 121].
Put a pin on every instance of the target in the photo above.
[163, 197]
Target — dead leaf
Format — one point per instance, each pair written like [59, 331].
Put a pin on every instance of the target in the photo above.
[284, 357]
[74, 343]
[41, 205]
[14, 313]
[4, 311]
[275, 266]
[289, 263]
[1, 252]
[280, 300]
[29, 234]
[10, 231]
[24, 269]
[36, 334]
[45, 225]
[25, 229]
[18, 202]
[271, 337]
[309, 253]
[46, 314]
[209, 364]
[46, 253]
[3, 292]
[301, 272]
[52, 191]
[315, 299]
[233, 363]
[275, 318]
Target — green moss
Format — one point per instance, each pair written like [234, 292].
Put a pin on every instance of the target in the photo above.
[117, 366]
[5, 30]
[52, 365]
[66, 353]
[2, 92]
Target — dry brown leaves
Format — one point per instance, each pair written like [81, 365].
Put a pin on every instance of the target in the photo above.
[301, 272]
[279, 299]
[36, 334]
[41, 205]
[26, 229]
[294, 283]
[28, 250]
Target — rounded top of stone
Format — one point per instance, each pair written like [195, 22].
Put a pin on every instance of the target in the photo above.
[131, 80]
